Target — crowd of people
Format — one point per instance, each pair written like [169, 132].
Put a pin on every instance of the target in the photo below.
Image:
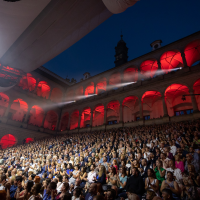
[144, 162]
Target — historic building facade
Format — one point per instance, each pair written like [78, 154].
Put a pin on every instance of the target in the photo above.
[155, 88]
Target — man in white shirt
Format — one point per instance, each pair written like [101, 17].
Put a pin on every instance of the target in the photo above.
[92, 174]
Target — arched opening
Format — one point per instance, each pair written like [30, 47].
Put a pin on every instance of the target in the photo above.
[74, 120]
[29, 140]
[43, 89]
[130, 109]
[152, 106]
[18, 110]
[192, 53]
[173, 97]
[56, 95]
[64, 122]
[98, 115]
[113, 112]
[115, 79]
[8, 141]
[4, 101]
[196, 90]
[27, 82]
[171, 60]
[70, 95]
[36, 116]
[89, 89]
[79, 92]
[130, 74]
[101, 86]
[85, 118]
[51, 120]
[149, 67]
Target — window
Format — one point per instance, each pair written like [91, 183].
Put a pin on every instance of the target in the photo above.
[147, 117]
[112, 122]
[184, 112]
[137, 118]
[87, 125]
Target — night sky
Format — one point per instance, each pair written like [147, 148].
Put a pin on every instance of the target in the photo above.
[145, 22]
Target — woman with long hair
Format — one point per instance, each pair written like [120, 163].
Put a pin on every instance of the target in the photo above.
[159, 172]
[101, 178]
[64, 189]
[112, 177]
[35, 190]
[151, 183]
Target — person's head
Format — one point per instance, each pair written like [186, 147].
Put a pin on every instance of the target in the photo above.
[78, 181]
[77, 192]
[162, 156]
[66, 196]
[29, 185]
[158, 163]
[31, 177]
[59, 177]
[36, 188]
[151, 173]
[92, 167]
[44, 175]
[76, 167]
[150, 194]
[169, 176]
[2, 178]
[37, 179]
[191, 168]
[65, 187]
[189, 157]
[171, 164]
[102, 170]
[177, 157]
[99, 188]
[110, 194]
[144, 162]
[93, 188]
[113, 171]
[167, 194]
[98, 197]
[18, 179]
[134, 171]
[50, 187]
[132, 196]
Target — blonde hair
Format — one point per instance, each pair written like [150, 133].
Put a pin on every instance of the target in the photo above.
[102, 171]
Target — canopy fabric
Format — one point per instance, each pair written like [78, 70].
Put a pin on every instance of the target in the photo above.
[170, 60]
[176, 90]
[148, 68]
[150, 97]
[192, 52]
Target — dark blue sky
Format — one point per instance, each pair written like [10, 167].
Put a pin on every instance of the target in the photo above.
[145, 22]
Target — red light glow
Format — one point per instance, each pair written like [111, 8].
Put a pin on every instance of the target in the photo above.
[101, 86]
[27, 82]
[8, 141]
[85, 117]
[36, 116]
[170, 60]
[74, 120]
[192, 52]
[43, 89]
[131, 74]
[51, 120]
[98, 115]
[89, 89]
[148, 68]
[28, 140]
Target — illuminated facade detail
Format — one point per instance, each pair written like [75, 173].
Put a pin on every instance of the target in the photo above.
[131, 74]
[8, 141]
[148, 68]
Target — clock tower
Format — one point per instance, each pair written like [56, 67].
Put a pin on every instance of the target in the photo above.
[121, 53]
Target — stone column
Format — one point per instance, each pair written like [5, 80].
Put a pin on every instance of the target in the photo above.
[58, 121]
[159, 64]
[91, 118]
[105, 116]
[121, 113]
[164, 107]
[27, 114]
[184, 59]
[45, 113]
[8, 108]
[141, 111]
[51, 89]
[194, 102]
[79, 120]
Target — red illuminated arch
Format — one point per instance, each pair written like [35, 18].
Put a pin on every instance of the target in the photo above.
[56, 95]
[192, 52]
[4, 100]
[113, 111]
[101, 86]
[115, 79]
[51, 120]
[152, 104]
[85, 117]
[89, 89]
[196, 90]
[130, 109]
[36, 116]
[43, 89]
[74, 120]
[18, 110]
[98, 115]
[131, 74]
[8, 141]
[27, 82]
[173, 97]
[64, 122]
[170, 60]
[149, 67]
[28, 140]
